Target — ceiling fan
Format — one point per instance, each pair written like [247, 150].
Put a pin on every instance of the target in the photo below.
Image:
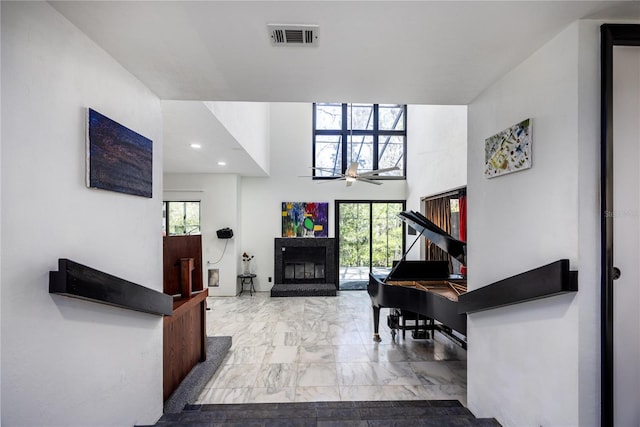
[351, 175]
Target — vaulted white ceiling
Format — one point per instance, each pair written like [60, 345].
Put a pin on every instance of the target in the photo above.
[414, 52]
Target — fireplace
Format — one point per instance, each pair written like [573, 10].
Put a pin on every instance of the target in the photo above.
[302, 261]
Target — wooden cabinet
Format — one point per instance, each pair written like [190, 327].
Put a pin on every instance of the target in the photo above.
[183, 340]
[184, 332]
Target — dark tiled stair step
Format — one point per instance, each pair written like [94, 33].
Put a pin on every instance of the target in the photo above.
[304, 290]
[441, 413]
[191, 386]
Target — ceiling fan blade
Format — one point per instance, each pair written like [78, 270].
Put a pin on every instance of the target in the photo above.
[369, 181]
[322, 169]
[379, 171]
[338, 178]
[331, 179]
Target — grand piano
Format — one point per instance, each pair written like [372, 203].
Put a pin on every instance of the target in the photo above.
[423, 289]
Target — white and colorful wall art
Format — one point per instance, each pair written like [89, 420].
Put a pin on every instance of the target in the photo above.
[508, 151]
[305, 219]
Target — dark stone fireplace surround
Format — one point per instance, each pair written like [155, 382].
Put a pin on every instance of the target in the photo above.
[318, 254]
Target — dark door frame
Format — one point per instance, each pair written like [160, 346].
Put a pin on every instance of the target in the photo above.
[610, 35]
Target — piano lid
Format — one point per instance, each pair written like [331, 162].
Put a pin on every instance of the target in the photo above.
[454, 247]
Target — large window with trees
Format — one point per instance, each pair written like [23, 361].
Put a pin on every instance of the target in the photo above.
[180, 218]
[370, 237]
[372, 135]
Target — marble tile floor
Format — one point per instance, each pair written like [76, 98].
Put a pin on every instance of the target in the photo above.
[312, 349]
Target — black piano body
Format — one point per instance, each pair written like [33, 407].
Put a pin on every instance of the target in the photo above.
[425, 288]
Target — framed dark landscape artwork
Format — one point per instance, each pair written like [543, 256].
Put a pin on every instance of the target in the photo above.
[118, 159]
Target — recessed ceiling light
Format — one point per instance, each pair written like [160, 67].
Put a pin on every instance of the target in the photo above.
[222, 163]
[196, 146]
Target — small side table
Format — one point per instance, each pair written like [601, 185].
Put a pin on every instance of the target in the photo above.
[247, 279]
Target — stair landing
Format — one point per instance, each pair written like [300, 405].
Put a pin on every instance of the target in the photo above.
[440, 413]
[304, 290]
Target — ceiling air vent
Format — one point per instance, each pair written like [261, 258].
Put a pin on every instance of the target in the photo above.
[291, 35]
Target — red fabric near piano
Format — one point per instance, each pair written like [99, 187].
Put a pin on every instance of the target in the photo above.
[462, 203]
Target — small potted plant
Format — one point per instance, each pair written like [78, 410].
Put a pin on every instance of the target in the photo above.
[246, 261]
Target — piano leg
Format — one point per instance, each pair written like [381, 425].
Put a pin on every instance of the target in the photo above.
[393, 321]
[376, 323]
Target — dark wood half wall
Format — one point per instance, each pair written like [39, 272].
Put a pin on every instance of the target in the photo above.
[184, 333]
[175, 248]
[184, 340]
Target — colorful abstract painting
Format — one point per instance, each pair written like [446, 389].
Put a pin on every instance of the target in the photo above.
[508, 151]
[118, 159]
[302, 219]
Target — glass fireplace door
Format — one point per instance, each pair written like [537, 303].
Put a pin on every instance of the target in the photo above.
[370, 238]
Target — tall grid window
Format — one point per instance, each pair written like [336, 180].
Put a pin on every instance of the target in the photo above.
[180, 218]
[372, 135]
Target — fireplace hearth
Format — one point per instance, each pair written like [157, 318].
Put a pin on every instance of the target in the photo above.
[305, 266]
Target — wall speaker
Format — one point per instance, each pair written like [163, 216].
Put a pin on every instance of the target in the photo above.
[225, 233]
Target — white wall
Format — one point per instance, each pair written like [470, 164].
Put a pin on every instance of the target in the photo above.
[0, 225]
[252, 205]
[256, 201]
[65, 361]
[437, 159]
[218, 196]
[588, 223]
[291, 132]
[248, 123]
[536, 363]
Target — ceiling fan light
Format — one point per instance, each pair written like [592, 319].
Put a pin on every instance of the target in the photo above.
[351, 178]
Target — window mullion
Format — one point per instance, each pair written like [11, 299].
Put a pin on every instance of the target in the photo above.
[166, 218]
[370, 236]
[313, 146]
[184, 217]
[328, 132]
[345, 137]
[375, 136]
